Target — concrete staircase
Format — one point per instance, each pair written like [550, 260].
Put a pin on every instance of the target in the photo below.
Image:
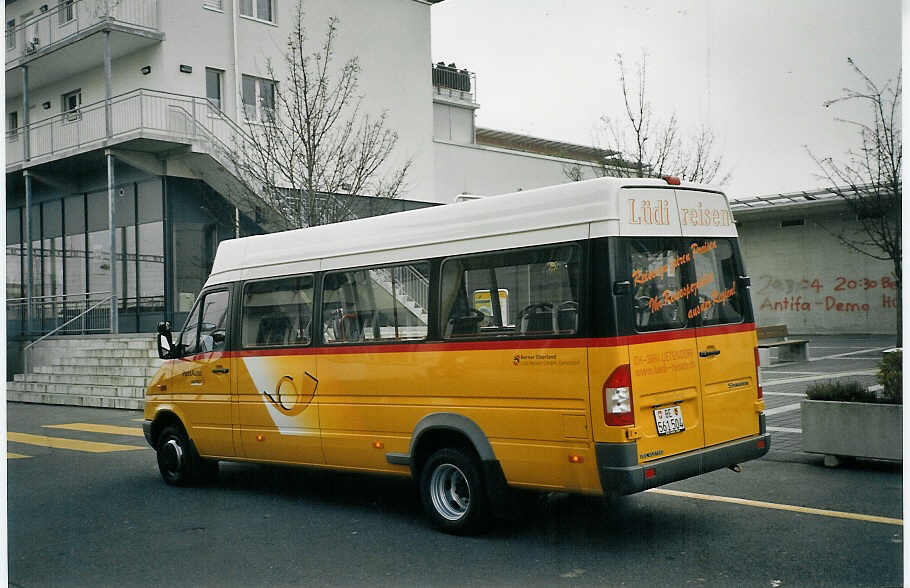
[105, 371]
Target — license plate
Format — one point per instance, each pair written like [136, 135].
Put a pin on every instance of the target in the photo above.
[669, 420]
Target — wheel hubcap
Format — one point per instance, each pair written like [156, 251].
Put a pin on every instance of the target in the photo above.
[173, 455]
[450, 492]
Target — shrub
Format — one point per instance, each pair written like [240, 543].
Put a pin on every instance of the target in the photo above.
[849, 391]
[890, 375]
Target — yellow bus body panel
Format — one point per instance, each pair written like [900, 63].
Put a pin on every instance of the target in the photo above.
[729, 396]
[540, 408]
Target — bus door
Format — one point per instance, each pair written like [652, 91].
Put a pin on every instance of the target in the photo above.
[277, 416]
[201, 377]
[663, 351]
[726, 340]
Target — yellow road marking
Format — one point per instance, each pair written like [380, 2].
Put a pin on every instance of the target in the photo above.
[140, 420]
[15, 455]
[75, 445]
[92, 428]
[801, 509]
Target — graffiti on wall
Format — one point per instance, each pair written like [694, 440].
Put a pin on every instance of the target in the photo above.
[812, 294]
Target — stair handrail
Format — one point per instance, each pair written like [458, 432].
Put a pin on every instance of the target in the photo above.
[420, 296]
[27, 349]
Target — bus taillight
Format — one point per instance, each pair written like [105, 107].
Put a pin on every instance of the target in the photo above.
[618, 398]
[758, 374]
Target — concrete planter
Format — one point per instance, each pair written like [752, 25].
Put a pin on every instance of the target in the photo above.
[854, 429]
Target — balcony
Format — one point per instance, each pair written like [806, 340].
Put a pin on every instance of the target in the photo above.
[73, 25]
[453, 84]
[140, 114]
[187, 127]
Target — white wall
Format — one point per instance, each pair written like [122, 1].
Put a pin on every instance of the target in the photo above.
[391, 39]
[802, 276]
[482, 170]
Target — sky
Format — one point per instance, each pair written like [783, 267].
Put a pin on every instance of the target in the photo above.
[756, 72]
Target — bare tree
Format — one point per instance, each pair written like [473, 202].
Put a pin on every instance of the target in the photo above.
[308, 141]
[868, 178]
[649, 147]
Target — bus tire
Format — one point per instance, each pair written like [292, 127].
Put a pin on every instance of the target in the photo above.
[453, 492]
[178, 461]
[207, 471]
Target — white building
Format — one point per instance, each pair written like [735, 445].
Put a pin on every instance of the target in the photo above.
[139, 102]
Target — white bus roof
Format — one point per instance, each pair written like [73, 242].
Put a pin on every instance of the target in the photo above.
[566, 212]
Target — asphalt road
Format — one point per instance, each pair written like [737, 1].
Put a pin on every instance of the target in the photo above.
[106, 519]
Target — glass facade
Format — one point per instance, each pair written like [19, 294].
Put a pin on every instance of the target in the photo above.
[71, 256]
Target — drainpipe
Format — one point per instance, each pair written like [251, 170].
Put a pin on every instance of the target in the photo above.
[111, 201]
[235, 9]
[111, 204]
[28, 241]
[108, 126]
[28, 203]
[26, 146]
[236, 223]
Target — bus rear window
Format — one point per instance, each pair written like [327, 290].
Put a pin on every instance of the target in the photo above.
[720, 300]
[660, 283]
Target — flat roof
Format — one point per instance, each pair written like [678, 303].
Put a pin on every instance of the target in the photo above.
[527, 143]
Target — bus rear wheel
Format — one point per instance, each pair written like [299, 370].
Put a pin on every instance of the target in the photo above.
[453, 493]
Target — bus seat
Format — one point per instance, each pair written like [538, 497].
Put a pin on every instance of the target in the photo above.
[273, 329]
[463, 326]
[567, 317]
[537, 318]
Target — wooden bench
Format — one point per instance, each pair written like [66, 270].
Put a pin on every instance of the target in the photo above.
[787, 349]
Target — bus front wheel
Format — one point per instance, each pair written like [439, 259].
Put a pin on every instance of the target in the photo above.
[453, 493]
[178, 461]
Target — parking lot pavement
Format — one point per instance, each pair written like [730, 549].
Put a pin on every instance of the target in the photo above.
[840, 357]
[87, 507]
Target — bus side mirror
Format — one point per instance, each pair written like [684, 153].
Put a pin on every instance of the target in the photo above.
[218, 336]
[165, 341]
[622, 288]
[745, 281]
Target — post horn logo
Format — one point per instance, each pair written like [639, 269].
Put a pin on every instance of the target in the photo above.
[516, 360]
[288, 399]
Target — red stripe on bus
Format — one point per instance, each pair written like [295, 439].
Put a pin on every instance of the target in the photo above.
[488, 345]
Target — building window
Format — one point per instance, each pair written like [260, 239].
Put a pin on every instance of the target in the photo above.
[11, 34]
[71, 103]
[213, 86]
[14, 248]
[12, 126]
[260, 9]
[213, 4]
[258, 99]
[66, 11]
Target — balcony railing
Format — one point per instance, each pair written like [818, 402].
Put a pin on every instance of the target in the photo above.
[451, 82]
[147, 114]
[68, 18]
[171, 116]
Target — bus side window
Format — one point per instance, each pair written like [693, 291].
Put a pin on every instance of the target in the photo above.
[524, 293]
[277, 312]
[387, 303]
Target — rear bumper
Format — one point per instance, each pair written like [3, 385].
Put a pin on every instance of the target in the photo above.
[620, 472]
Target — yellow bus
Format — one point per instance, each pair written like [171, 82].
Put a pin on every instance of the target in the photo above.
[617, 354]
